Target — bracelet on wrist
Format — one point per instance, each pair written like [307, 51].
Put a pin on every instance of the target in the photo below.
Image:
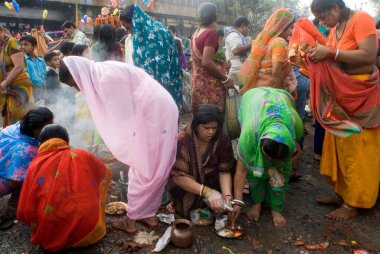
[201, 190]
[205, 191]
[236, 204]
[337, 54]
[228, 78]
[239, 202]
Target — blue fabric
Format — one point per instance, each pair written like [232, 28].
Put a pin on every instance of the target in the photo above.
[36, 68]
[155, 51]
[16, 153]
[303, 92]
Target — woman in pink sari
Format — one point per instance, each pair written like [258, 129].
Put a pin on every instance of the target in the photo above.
[137, 119]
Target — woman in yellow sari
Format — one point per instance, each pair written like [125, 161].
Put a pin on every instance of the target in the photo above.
[16, 97]
[268, 55]
[351, 149]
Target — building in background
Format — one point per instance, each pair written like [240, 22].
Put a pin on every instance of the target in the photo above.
[182, 13]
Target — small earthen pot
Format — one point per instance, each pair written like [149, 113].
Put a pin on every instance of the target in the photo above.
[182, 233]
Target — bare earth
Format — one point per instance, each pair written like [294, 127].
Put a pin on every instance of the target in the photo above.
[306, 224]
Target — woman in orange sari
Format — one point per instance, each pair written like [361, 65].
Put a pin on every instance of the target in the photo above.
[351, 149]
[268, 55]
[64, 194]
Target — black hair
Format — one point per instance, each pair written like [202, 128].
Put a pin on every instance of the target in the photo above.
[127, 13]
[207, 14]
[66, 48]
[120, 33]
[107, 37]
[54, 131]
[172, 28]
[179, 46]
[378, 25]
[29, 39]
[274, 149]
[50, 55]
[64, 73]
[220, 32]
[95, 35]
[207, 113]
[319, 6]
[78, 49]
[68, 24]
[316, 22]
[241, 21]
[35, 119]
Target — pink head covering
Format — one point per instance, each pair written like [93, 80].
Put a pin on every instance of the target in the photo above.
[137, 119]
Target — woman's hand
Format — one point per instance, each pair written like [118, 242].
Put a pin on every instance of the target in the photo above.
[318, 53]
[214, 199]
[232, 216]
[3, 85]
[229, 84]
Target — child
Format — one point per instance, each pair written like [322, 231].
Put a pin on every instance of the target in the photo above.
[53, 86]
[35, 66]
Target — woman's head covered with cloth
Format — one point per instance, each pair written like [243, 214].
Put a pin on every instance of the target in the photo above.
[279, 24]
[268, 128]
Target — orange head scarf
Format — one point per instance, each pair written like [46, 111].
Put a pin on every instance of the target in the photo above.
[275, 25]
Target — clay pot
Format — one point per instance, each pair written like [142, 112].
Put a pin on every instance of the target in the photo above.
[182, 233]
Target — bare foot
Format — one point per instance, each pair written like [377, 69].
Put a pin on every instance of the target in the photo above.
[343, 213]
[278, 220]
[254, 212]
[329, 199]
[150, 222]
[127, 225]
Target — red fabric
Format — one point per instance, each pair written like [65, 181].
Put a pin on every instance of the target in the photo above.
[208, 38]
[341, 102]
[61, 197]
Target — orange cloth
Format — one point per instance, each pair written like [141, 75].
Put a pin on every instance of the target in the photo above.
[352, 165]
[63, 197]
[266, 47]
[359, 27]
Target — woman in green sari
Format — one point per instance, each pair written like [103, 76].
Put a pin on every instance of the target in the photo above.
[270, 127]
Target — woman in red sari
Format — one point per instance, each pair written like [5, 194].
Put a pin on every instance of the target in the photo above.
[64, 194]
[209, 79]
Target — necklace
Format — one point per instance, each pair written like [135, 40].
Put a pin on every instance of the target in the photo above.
[344, 29]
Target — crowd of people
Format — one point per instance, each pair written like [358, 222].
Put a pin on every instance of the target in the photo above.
[131, 84]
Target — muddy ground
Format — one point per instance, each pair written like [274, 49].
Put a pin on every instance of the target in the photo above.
[306, 222]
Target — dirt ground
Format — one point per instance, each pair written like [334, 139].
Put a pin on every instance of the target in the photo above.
[305, 222]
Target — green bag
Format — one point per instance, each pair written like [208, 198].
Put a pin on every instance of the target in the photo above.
[231, 122]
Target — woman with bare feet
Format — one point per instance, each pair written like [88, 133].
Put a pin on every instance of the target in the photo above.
[270, 128]
[137, 120]
[351, 149]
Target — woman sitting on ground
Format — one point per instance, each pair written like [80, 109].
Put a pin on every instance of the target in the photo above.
[64, 194]
[18, 147]
[270, 127]
[204, 163]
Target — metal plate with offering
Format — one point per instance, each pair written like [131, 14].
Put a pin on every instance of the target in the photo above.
[231, 232]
